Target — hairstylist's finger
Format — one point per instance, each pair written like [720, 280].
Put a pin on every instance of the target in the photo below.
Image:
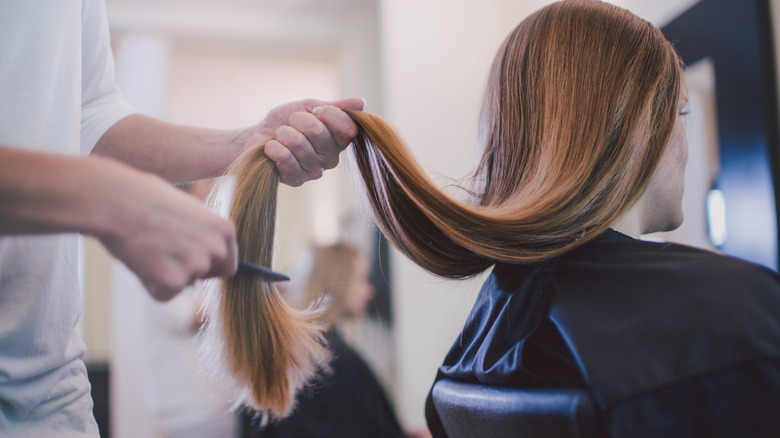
[167, 284]
[311, 160]
[321, 150]
[226, 263]
[353, 103]
[213, 254]
[339, 124]
[160, 293]
[290, 171]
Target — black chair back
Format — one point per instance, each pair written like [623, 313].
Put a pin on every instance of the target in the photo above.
[469, 410]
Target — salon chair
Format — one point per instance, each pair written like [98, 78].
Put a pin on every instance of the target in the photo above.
[470, 410]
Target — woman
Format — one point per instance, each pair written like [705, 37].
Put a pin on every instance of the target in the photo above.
[584, 151]
[348, 401]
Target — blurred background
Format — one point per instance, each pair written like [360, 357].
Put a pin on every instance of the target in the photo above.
[420, 64]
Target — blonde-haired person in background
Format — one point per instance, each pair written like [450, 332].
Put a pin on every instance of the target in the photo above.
[338, 275]
[584, 150]
[349, 401]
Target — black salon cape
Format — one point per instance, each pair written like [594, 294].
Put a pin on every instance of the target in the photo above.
[671, 341]
[347, 403]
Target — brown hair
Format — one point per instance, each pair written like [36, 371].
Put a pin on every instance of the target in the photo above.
[266, 349]
[579, 108]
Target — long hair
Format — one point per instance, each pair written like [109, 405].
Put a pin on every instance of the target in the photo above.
[265, 349]
[579, 107]
[578, 110]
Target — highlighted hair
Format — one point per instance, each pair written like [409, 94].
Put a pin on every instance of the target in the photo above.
[579, 108]
[265, 348]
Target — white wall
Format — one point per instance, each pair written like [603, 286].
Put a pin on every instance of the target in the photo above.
[142, 62]
[658, 12]
[436, 56]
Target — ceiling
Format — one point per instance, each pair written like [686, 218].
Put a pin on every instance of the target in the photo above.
[307, 7]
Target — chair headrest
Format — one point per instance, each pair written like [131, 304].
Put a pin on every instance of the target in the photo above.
[470, 410]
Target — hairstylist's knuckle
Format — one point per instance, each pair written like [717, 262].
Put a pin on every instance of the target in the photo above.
[342, 126]
[290, 138]
[232, 254]
[217, 247]
[277, 151]
[331, 161]
[227, 229]
[290, 171]
[152, 289]
[162, 290]
[315, 173]
[219, 253]
[291, 174]
[310, 104]
[293, 179]
[199, 261]
[175, 280]
[308, 124]
[351, 131]
[221, 267]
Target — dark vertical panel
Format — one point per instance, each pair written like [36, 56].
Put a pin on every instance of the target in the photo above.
[99, 377]
[380, 306]
[737, 36]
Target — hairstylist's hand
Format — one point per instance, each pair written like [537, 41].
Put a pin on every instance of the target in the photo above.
[166, 237]
[308, 136]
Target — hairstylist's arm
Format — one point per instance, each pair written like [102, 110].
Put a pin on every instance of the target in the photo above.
[168, 241]
[162, 234]
[309, 135]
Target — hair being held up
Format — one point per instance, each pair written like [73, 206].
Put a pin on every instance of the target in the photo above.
[266, 349]
[562, 159]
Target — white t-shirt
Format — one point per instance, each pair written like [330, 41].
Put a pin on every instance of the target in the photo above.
[57, 94]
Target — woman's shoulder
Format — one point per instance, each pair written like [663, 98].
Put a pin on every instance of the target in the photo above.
[643, 314]
[691, 286]
[666, 261]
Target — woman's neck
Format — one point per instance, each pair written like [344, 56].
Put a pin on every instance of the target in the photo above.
[629, 224]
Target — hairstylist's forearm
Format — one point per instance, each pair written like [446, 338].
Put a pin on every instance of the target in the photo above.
[49, 193]
[52, 193]
[175, 152]
[308, 137]
[167, 237]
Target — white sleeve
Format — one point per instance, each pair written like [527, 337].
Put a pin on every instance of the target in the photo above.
[101, 102]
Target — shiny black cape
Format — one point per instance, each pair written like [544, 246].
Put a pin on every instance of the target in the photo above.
[670, 340]
[349, 402]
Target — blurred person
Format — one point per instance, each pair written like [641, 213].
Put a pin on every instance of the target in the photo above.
[349, 401]
[58, 101]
